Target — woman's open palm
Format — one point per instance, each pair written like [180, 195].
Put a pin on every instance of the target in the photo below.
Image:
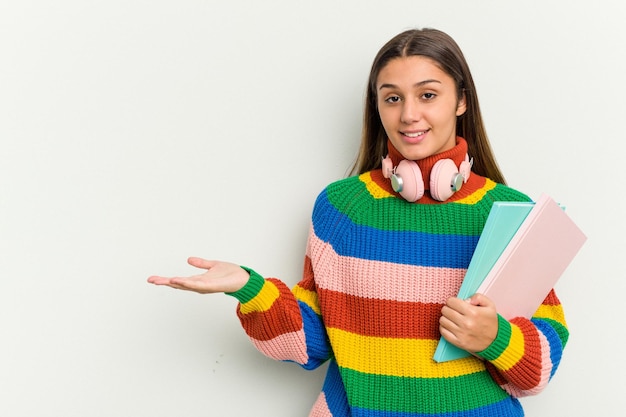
[218, 277]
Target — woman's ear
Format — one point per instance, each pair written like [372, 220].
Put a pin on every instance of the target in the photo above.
[461, 106]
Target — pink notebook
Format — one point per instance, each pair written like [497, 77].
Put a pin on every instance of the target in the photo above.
[534, 260]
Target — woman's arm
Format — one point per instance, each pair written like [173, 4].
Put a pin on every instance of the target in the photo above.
[282, 324]
[522, 354]
[527, 352]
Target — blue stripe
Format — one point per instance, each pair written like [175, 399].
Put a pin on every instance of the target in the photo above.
[335, 392]
[509, 407]
[317, 345]
[402, 247]
[556, 348]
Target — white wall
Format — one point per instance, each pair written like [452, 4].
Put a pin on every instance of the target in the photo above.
[136, 133]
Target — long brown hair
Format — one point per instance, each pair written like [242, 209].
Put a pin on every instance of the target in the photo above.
[443, 50]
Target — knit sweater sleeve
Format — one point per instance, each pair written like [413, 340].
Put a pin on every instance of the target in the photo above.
[526, 352]
[284, 324]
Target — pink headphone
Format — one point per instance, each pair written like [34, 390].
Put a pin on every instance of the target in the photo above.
[445, 178]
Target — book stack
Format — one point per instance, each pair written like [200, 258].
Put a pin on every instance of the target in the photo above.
[522, 252]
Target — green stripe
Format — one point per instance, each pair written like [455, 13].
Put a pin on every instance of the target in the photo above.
[251, 289]
[561, 330]
[367, 211]
[421, 395]
[351, 197]
[500, 343]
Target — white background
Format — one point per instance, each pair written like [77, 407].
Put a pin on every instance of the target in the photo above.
[137, 133]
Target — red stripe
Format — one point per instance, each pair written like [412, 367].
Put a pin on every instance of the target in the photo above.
[380, 318]
[552, 299]
[527, 372]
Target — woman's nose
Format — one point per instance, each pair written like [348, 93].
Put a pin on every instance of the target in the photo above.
[411, 112]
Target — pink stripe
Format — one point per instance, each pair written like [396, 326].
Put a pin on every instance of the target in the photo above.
[320, 408]
[381, 280]
[289, 346]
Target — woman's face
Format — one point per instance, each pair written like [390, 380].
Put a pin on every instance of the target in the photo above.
[418, 106]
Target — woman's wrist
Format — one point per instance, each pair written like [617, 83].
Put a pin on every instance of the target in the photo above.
[251, 287]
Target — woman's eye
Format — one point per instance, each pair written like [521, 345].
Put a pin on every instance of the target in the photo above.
[428, 96]
[392, 99]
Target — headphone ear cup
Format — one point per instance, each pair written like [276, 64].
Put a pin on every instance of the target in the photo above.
[412, 180]
[465, 169]
[441, 178]
[387, 167]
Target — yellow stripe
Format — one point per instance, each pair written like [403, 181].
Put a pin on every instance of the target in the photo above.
[506, 362]
[551, 312]
[377, 192]
[307, 297]
[263, 301]
[396, 357]
[478, 195]
[373, 188]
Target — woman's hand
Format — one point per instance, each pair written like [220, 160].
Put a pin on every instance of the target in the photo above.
[219, 277]
[470, 324]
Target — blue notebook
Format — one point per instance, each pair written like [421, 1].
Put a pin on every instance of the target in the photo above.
[503, 221]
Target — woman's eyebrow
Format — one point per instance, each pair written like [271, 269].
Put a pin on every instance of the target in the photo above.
[419, 84]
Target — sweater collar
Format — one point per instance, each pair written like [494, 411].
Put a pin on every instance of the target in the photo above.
[457, 154]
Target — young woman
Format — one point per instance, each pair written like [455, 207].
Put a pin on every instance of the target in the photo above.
[387, 252]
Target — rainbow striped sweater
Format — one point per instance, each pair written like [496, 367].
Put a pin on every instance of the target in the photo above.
[377, 272]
